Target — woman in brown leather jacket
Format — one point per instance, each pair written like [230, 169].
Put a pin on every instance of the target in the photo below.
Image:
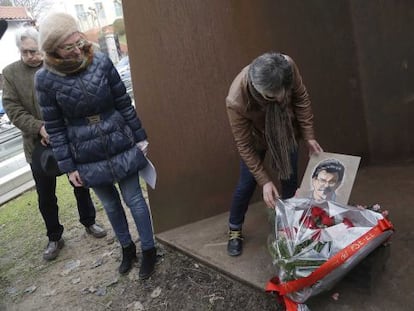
[269, 110]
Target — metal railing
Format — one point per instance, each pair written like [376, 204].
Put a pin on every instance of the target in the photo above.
[10, 142]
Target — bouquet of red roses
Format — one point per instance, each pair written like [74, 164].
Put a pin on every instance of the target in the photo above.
[316, 244]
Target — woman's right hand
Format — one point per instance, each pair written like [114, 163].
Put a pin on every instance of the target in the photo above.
[270, 194]
[75, 179]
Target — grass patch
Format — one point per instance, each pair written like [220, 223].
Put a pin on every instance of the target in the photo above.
[23, 232]
[23, 235]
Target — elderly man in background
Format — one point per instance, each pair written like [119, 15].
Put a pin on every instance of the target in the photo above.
[21, 106]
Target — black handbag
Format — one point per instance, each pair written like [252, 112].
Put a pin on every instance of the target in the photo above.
[44, 161]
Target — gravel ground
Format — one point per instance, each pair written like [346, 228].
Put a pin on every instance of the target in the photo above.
[85, 277]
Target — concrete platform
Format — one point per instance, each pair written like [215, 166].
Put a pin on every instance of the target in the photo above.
[15, 177]
[383, 281]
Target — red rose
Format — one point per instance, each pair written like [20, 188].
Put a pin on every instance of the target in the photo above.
[317, 211]
[327, 221]
[348, 223]
[308, 222]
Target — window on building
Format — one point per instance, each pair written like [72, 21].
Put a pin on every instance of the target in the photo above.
[100, 10]
[118, 8]
[80, 12]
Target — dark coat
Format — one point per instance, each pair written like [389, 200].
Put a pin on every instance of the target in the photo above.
[92, 125]
[19, 101]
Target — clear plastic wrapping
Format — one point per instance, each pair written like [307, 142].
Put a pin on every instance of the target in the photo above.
[309, 234]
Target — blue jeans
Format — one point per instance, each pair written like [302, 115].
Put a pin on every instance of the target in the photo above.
[133, 198]
[246, 186]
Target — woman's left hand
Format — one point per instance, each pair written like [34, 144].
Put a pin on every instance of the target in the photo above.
[313, 146]
[143, 146]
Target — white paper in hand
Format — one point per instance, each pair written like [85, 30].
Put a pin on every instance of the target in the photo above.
[149, 174]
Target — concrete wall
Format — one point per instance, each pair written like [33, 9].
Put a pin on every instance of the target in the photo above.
[184, 55]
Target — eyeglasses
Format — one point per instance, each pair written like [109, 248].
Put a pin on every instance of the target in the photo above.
[330, 183]
[71, 47]
[29, 52]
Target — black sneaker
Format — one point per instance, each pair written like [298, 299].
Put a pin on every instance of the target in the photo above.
[235, 244]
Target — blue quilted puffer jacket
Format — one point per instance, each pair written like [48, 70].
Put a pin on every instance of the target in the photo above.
[92, 125]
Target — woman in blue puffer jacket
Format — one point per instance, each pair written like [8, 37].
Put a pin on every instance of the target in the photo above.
[94, 130]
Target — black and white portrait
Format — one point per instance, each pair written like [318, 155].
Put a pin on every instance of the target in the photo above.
[329, 176]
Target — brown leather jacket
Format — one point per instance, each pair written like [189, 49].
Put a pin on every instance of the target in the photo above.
[248, 125]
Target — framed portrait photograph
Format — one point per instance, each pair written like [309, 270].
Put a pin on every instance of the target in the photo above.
[329, 176]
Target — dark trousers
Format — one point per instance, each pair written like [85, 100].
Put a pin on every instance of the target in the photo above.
[246, 186]
[46, 195]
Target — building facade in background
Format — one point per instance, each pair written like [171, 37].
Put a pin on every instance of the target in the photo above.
[94, 18]
[91, 13]
[15, 18]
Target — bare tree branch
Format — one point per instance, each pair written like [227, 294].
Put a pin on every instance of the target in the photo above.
[6, 3]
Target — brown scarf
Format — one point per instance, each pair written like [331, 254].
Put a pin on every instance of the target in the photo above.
[69, 66]
[279, 134]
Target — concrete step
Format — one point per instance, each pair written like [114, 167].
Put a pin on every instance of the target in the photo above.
[15, 177]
